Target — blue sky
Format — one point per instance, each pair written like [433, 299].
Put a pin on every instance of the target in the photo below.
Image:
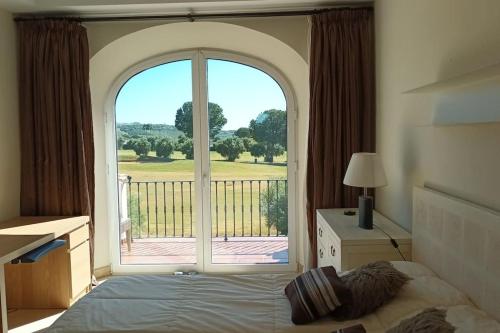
[154, 95]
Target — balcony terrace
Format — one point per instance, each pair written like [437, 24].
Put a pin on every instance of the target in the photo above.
[158, 222]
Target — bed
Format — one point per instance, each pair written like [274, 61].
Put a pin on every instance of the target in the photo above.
[451, 271]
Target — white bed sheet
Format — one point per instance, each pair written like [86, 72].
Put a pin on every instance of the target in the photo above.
[234, 303]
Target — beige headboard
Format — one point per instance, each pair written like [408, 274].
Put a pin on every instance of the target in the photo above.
[460, 242]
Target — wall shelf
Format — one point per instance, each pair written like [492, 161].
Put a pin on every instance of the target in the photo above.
[477, 77]
[470, 98]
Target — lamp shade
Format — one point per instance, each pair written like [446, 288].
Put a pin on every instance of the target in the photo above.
[365, 170]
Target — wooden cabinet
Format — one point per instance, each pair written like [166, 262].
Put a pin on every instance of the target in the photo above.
[54, 282]
[342, 244]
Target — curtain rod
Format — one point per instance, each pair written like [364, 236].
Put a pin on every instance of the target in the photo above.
[191, 16]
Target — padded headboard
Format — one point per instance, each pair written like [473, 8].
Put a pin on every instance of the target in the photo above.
[460, 242]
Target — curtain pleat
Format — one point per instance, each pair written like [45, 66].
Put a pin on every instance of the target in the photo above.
[57, 148]
[342, 107]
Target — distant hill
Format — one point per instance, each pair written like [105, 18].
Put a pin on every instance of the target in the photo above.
[225, 134]
[138, 129]
[162, 130]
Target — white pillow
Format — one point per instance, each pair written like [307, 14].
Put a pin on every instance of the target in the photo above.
[412, 269]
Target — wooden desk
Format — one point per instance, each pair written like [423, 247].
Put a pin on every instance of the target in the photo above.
[58, 279]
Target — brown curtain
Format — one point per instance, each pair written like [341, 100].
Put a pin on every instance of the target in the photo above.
[342, 107]
[57, 148]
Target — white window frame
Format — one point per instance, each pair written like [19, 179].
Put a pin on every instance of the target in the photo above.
[199, 59]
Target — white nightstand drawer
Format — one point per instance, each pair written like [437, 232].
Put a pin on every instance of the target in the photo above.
[325, 257]
[322, 258]
[325, 232]
[329, 251]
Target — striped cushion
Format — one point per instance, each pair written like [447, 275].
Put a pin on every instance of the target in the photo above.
[315, 294]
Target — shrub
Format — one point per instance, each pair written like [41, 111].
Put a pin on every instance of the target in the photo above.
[257, 150]
[128, 144]
[230, 148]
[141, 146]
[164, 148]
[274, 205]
[186, 147]
[273, 150]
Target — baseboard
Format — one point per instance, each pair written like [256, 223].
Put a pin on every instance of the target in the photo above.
[102, 272]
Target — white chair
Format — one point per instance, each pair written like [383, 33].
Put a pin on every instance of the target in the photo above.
[126, 228]
[125, 222]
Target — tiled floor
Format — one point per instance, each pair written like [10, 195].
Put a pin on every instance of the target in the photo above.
[236, 250]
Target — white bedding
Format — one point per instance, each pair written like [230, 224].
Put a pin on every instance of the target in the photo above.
[246, 303]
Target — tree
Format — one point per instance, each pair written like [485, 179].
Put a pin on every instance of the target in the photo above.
[248, 143]
[243, 132]
[184, 119]
[257, 150]
[164, 148]
[141, 146]
[274, 203]
[152, 141]
[129, 144]
[186, 147]
[269, 129]
[230, 148]
[180, 141]
[274, 150]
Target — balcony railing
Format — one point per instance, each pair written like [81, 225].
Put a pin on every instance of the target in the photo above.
[239, 208]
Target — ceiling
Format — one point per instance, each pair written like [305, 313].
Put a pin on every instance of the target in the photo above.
[95, 8]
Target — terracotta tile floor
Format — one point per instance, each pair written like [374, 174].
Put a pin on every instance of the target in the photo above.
[236, 250]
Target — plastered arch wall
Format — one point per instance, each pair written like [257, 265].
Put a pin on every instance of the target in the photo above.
[111, 62]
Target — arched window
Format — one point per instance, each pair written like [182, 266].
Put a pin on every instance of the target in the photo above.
[203, 140]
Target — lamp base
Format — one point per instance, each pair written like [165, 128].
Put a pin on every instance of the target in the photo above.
[365, 212]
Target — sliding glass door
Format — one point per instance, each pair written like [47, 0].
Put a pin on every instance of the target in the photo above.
[203, 144]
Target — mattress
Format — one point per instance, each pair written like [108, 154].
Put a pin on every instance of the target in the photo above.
[243, 303]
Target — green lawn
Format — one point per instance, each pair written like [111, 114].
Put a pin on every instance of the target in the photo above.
[178, 168]
[235, 208]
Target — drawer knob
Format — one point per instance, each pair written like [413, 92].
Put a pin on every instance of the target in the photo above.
[332, 251]
[320, 232]
[321, 253]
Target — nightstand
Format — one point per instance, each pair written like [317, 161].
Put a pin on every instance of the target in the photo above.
[344, 245]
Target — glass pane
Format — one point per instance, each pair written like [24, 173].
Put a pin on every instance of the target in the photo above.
[154, 129]
[248, 163]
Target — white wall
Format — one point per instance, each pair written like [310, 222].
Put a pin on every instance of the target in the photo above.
[106, 69]
[419, 42]
[293, 31]
[9, 120]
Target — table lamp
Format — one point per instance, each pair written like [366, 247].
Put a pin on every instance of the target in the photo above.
[365, 170]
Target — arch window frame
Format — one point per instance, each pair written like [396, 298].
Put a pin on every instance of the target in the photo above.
[199, 58]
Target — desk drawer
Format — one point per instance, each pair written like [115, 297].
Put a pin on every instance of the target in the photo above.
[80, 268]
[78, 236]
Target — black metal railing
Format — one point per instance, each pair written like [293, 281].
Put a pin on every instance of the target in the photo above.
[239, 208]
